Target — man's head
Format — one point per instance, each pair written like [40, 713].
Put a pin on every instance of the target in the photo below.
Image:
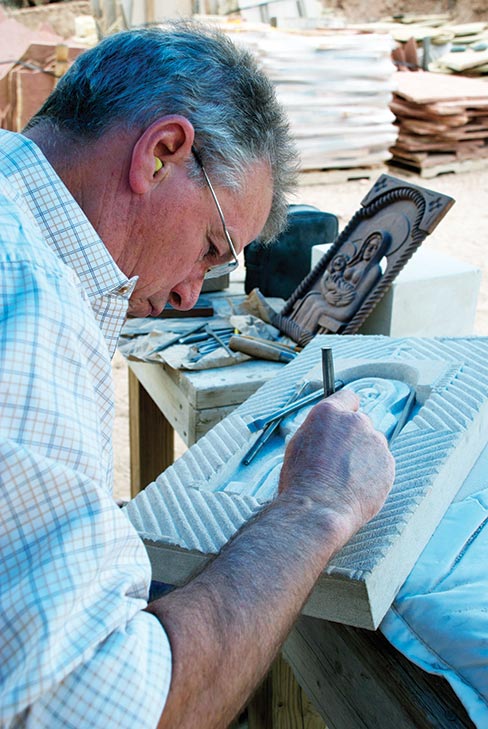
[143, 112]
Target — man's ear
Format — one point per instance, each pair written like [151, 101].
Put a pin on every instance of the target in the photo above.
[169, 140]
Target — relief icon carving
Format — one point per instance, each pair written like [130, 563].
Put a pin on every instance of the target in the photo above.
[344, 286]
[381, 398]
[354, 275]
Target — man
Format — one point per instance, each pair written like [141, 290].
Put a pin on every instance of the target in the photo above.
[168, 146]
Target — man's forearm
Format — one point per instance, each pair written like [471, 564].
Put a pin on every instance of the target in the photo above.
[227, 624]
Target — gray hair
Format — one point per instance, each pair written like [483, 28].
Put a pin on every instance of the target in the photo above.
[134, 77]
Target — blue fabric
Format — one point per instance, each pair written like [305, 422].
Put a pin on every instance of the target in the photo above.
[439, 619]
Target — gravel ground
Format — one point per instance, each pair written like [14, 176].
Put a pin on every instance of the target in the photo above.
[462, 234]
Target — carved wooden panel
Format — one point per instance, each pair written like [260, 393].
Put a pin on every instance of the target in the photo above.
[356, 272]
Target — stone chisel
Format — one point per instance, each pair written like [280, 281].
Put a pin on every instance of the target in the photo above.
[259, 423]
[269, 429]
[328, 371]
[175, 340]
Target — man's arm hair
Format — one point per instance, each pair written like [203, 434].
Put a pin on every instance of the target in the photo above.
[227, 625]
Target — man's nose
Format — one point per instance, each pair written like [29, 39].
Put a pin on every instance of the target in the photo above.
[185, 294]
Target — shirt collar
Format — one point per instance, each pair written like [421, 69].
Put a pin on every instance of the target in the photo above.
[63, 223]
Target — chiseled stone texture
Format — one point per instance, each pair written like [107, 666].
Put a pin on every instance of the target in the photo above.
[200, 501]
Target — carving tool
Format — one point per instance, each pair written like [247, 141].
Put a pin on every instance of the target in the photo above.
[175, 340]
[203, 336]
[261, 349]
[328, 371]
[260, 423]
[268, 431]
[210, 345]
[218, 338]
[312, 397]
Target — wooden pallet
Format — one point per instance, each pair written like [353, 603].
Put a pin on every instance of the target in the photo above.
[467, 165]
[334, 176]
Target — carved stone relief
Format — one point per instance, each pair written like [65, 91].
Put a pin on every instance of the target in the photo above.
[198, 503]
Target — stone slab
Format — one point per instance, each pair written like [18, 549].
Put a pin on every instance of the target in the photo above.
[196, 505]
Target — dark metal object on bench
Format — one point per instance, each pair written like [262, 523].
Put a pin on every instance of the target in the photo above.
[353, 276]
[277, 269]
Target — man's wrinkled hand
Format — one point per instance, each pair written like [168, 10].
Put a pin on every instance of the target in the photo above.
[338, 460]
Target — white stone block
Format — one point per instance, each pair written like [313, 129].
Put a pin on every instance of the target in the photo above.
[434, 295]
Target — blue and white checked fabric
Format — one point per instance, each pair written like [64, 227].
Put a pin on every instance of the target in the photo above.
[76, 648]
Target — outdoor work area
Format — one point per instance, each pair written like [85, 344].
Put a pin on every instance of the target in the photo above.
[244, 364]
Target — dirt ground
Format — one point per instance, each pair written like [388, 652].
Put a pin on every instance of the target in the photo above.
[463, 234]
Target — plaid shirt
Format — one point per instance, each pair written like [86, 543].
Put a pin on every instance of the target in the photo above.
[77, 650]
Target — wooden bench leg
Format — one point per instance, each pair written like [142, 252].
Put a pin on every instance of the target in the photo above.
[280, 703]
[151, 438]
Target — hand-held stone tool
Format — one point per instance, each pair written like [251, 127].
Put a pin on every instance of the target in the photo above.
[261, 349]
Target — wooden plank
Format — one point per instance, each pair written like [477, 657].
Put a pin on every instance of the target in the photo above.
[156, 381]
[424, 143]
[205, 419]
[408, 109]
[173, 565]
[426, 172]
[225, 386]
[193, 402]
[424, 126]
[444, 153]
[151, 438]
[280, 703]
[357, 679]
[437, 134]
[421, 160]
[334, 176]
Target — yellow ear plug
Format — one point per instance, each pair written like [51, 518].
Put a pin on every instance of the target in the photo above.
[157, 165]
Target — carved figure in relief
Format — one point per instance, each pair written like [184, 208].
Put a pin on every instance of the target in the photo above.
[344, 286]
[381, 399]
[336, 290]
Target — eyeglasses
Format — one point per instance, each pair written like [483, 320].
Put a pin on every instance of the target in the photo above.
[221, 269]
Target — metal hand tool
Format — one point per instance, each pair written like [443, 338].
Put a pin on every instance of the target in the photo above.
[219, 339]
[268, 431]
[204, 336]
[175, 340]
[328, 371]
[259, 423]
[272, 343]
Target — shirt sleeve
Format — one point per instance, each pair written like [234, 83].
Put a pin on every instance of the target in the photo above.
[77, 648]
